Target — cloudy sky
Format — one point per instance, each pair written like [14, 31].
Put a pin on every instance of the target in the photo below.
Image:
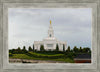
[70, 24]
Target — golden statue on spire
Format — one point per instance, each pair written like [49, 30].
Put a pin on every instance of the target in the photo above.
[50, 21]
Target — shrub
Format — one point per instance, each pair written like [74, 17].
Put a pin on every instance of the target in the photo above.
[57, 47]
[63, 48]
[10, 54]
[30, 49]
[46, 56]
[42, 48]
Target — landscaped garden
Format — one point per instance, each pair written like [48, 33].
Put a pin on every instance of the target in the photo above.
[56, 55]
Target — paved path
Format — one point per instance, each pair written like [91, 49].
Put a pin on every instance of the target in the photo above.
[32, 61]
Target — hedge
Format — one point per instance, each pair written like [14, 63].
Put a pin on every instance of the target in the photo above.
[46, 56]
[10, 54]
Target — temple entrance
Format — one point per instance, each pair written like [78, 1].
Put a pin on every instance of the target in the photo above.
[50, 45]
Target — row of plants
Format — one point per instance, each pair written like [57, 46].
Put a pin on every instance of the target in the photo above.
[37, 55]
[53, 56]
[42, 50]
[24, 56]
[31, 53]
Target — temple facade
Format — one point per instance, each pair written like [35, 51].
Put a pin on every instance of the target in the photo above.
[50, 42]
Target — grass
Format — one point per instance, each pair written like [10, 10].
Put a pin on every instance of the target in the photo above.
[20, 56]
[39, 56]
[44, 54]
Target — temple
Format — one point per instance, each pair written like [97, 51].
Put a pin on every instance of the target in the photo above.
[50, 42]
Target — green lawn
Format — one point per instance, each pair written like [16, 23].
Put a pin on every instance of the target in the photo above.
[39, 56]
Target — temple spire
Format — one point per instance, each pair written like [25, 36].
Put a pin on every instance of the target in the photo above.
[50, 31]
[50, 21]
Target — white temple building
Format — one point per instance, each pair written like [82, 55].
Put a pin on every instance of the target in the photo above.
[50, 42]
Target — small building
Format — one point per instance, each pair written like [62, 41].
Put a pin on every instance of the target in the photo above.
[50, 42]
[82, 58]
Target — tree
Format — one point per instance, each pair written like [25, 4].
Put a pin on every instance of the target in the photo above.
[80, 50]
[24, 49]
[30, 49]
[33, 48]
[57, 47]
[75, 49]
[86, 50]
[71, 50]
[68, 49]
[42, 48]
[18, 50]
[63, 48]
[13, 51]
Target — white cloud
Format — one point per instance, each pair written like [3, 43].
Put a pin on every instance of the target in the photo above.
[28, 25]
